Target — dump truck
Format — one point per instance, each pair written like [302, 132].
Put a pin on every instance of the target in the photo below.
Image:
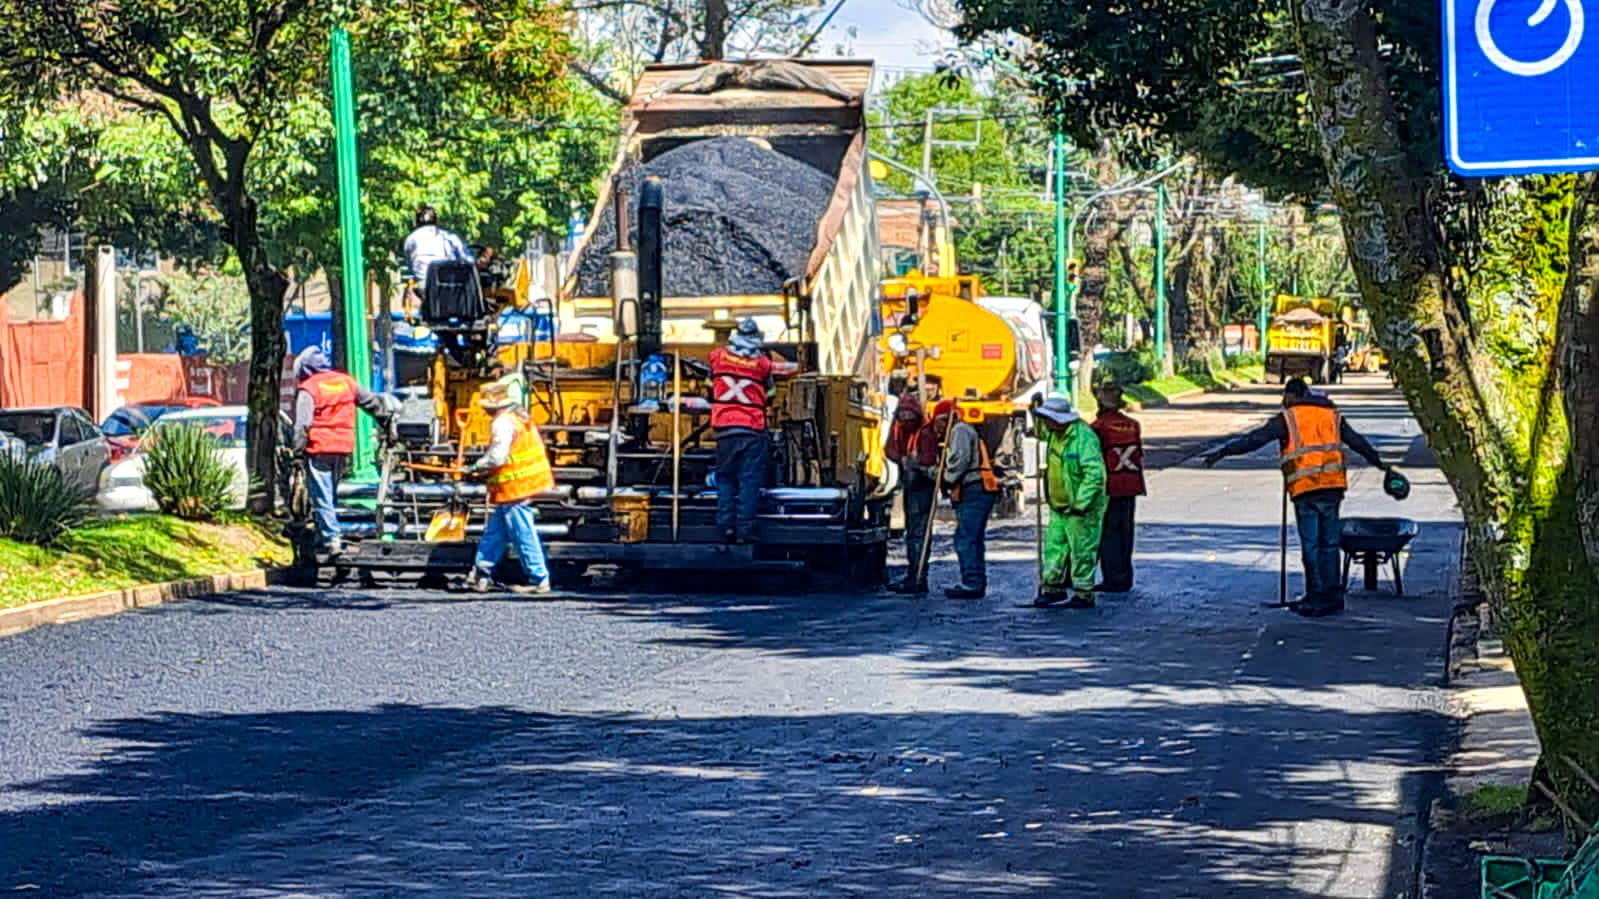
[945, 338]
[1301, 339]
[740, 189]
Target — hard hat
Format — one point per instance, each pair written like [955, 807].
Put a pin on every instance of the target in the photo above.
[1396, 485]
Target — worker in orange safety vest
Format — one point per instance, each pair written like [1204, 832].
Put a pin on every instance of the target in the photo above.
[324, 434]
[1310, 435]
[517, 468]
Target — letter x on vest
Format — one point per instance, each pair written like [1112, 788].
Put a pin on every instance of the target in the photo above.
[1124, 458]
[734, 389]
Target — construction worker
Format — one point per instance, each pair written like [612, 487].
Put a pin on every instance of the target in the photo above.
[1074, 489]
[1121, 438]
[429, 244]
[1310, 435]
[915, 451]
[741, 381]
[517, 468]
[973, 487]
[324, 435]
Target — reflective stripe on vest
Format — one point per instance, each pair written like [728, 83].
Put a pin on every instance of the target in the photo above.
[526, 473]
[1313, 457]
[332, 429]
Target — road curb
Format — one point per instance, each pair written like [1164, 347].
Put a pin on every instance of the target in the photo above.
[111, 602]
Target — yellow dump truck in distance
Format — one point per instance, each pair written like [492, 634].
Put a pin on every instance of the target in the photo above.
[1301, 340]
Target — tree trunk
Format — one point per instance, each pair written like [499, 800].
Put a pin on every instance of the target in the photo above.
[1498, 449]
[713, 42]
[268, 287]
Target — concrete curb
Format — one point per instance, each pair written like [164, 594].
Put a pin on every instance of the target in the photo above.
[111, 602]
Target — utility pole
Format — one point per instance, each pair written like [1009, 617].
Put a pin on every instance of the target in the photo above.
[1063, 298]
[1263, 318]
[1160, 277]
[357, 344]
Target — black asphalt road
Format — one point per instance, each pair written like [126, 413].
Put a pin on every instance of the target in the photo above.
[1179, 741]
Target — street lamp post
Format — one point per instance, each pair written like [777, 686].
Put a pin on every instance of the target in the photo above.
[357, 345]
[1263, 317]
[1065, 307]
[1160, 277]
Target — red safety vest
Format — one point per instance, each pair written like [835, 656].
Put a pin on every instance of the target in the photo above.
[1313, 454]
[1121, 438]
[738, 390]
[332, 428]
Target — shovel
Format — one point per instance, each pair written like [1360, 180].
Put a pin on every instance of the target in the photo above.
[449, 523]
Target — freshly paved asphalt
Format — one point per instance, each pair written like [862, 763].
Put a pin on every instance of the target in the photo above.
[1179, 741]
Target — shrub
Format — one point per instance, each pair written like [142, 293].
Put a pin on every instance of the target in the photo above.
[1246, 360]
[1128, 367]
[37, 504]
[186, 474]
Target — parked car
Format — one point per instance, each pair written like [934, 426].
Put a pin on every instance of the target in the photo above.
[122, 487]
[125, 427]
[61, 436]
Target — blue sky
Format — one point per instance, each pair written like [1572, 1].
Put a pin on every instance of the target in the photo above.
[888, 33]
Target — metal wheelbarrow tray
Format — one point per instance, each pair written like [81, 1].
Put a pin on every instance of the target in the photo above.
[1374, 542]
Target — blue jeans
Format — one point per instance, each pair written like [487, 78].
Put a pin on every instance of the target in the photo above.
[1319, 530]
[740, 475]
[322, 484]
[971, 535]
[512, 524]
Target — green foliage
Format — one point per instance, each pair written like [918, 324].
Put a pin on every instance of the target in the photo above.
[37, 504]
[1493, 800]
[1246, 360]
[185, 472]
[1128, 367]
[215, 308]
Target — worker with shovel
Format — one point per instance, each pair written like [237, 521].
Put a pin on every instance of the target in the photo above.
[517, 468]
[1311, 435]
[915, 450]
[1074, 488]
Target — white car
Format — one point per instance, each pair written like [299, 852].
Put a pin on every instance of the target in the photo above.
[122, 484]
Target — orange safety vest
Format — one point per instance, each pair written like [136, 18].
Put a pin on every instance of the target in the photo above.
[738, 390]
[1313, 456]
[526, 473]
[332, 428]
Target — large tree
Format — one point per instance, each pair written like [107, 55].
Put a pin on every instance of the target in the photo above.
[224, 76]
[1466, 281]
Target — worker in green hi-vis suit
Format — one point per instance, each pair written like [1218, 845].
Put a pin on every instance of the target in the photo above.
[1074, 488]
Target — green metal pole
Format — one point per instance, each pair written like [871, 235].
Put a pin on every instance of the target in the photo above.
[1063, 311]
[1160, 274]
[1263, 319]
[357, 343]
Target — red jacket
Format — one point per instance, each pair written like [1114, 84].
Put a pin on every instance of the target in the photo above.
[738, 389]
[333, 395]
[1123, 442]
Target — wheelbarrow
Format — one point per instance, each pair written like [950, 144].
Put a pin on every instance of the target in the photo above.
[1374, 542]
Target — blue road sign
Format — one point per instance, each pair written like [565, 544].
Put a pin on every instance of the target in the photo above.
[1521, 87]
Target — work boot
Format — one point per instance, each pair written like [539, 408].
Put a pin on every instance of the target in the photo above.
[478, 582]
[1081, 599]
[537, 589]
[1050, 597]
[908, 587]
[1320, 608]
[962, 591]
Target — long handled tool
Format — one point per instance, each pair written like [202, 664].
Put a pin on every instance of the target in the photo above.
[932, 510]
[1038, 509]
[1282, 561]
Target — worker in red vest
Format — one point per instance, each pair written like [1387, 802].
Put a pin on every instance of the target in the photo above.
[1311, 435]
[741, 382]
[324, 434]
[1121, 439]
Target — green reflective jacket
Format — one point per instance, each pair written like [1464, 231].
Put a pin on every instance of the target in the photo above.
[1074, 478]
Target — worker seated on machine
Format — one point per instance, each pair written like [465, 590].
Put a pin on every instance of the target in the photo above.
[741, 382]
[425, 249]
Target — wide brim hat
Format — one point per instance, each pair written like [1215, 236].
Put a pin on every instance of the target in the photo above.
[495, 396]
[1057, 409]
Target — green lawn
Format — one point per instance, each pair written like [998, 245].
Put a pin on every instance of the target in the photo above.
[128, 551]
[1160, 391]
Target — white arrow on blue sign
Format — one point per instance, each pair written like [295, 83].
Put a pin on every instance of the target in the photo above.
[1521, 87]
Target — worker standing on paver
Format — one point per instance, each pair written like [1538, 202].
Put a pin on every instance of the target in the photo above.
[324, 435]
[1074, 489]
[517, 468]
[741, 382]
[1311, 434]
[914, 449]
[973, 487]
[1121, 438]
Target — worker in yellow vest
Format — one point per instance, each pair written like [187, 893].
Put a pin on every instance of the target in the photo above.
[517, 468]
[1311, 435]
